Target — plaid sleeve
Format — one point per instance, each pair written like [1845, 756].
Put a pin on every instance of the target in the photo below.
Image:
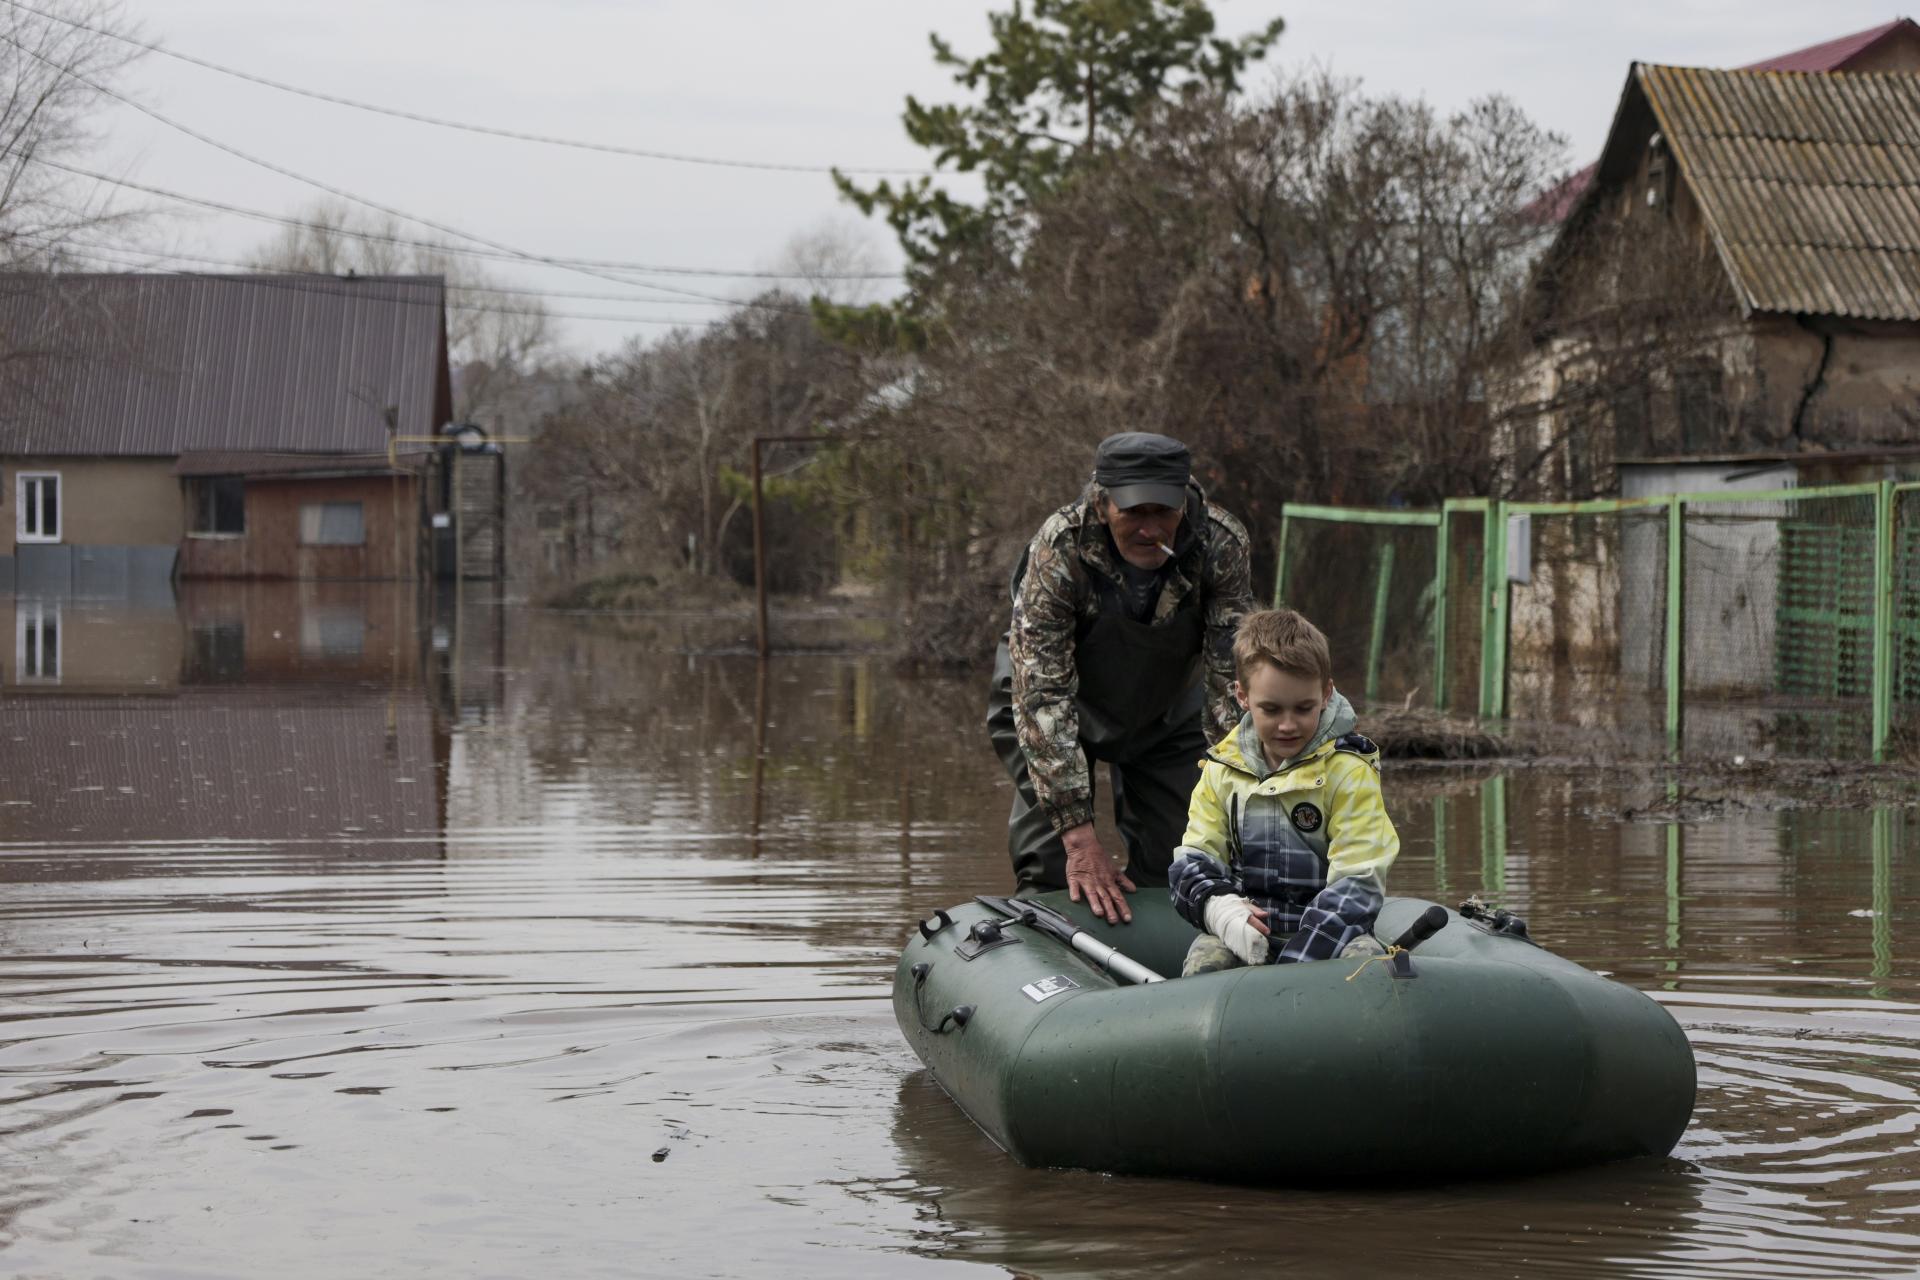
[1192, 879]
[1337, 915]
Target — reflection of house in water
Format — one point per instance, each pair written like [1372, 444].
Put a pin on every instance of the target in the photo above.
[253, 711]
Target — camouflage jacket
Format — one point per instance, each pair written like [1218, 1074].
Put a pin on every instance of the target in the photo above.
[1056, 594]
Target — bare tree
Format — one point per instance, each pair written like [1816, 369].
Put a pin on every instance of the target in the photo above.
[54, 75]
[496, 340]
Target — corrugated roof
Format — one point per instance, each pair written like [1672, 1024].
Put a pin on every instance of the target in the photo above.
[1810, 183]
[1830, 55]
[157, 365]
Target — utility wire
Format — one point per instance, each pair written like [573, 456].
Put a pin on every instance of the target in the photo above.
[337, 287]
[383, 238]
[256, 268]
[487, 130]
[341, 192]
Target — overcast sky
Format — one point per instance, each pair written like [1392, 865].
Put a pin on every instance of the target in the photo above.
[752, 80]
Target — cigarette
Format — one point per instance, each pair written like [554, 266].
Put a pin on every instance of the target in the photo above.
[1164, 547]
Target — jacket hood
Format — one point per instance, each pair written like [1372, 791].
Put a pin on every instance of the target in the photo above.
[1241, 749]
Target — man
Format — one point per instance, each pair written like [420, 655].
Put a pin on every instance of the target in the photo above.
[1121, 650]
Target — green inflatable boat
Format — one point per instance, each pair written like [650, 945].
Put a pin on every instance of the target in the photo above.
[1474, 1052]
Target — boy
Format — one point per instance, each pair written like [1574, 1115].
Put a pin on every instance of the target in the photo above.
[1286, 831]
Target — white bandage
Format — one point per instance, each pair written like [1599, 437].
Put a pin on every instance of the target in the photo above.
[1228, 916]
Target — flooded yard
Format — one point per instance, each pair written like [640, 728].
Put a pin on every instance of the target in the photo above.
[344, 934]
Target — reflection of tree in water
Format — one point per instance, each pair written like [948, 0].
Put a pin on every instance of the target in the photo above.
[832, 752]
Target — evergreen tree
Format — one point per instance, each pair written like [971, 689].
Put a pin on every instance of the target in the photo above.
[1064, 79]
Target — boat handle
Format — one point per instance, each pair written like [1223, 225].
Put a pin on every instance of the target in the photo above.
[946, 922]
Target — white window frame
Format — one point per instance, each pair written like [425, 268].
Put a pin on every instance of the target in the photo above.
[311, 526]
[20, 482]
[30, 618]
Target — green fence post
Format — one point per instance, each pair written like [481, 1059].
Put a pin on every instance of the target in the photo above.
[1382, 591]
[1442, 532]
[1676, 630]
[1280, 561]
[1883, 505]
[1493, 616]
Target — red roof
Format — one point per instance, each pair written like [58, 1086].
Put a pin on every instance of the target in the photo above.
[1834, 55]
[1556, 202]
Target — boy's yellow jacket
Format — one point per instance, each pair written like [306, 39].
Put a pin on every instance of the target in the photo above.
[1310, 841]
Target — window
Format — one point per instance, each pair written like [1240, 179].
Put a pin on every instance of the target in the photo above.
[332, 524]
[37, 504]
[219, 505]
[36, 642]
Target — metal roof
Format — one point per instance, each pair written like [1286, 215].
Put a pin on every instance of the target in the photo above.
[1835, 54]
[1810, 183]
[1554, 204]
[160, 365]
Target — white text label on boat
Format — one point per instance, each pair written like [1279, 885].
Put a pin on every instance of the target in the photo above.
[1038, 991]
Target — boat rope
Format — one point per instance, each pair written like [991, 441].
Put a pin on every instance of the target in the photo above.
[1386, 955]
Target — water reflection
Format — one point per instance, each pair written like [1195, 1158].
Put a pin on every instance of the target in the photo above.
[397, 937]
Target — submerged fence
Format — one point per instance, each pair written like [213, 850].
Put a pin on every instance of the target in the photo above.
[1748, 620]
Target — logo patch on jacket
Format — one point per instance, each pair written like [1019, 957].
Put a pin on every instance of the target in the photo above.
[1306, 817]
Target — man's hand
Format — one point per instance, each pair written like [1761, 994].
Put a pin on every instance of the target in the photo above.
[1092, 873]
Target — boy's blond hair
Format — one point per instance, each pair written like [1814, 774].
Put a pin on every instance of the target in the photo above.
[1284, 640]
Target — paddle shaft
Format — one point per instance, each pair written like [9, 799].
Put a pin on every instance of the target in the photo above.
[1048, 921]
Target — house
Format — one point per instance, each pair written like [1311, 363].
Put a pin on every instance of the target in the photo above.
[1742, 278]
[1733, 303]
[251, 426]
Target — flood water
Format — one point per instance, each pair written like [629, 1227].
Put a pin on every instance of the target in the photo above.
[342, 936]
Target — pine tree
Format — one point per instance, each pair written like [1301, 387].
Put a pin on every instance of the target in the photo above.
[1063, 80]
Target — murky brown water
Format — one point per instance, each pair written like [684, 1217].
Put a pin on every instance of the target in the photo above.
[338, 940]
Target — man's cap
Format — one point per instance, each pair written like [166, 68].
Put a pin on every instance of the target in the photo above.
[1138, 467]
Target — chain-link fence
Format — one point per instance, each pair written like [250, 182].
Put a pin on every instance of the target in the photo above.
[1587, 616]
[1779, 635]
[1781, 622]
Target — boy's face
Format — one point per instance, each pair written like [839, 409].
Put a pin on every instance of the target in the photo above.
[1286, 708]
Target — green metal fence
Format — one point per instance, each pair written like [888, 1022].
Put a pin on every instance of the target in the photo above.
[1781, 619]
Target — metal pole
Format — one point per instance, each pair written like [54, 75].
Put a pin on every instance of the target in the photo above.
[759, 554]
[1382, 590]
[1883, 508]
[1442, 531]
[1280, 561]
[1676, 628]
[1493, 614]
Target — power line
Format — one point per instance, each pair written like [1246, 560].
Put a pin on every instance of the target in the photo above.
[255, 268]
[341, 192]
[384, 238]
[338, 287]
[487, 130]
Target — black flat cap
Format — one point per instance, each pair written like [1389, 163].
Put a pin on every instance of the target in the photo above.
[1138, 467]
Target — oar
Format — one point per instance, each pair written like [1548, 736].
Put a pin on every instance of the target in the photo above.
[1034, 915]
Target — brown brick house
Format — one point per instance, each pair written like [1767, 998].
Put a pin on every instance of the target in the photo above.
[254, 426]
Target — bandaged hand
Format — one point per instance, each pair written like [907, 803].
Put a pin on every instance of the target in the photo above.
[1238, 923]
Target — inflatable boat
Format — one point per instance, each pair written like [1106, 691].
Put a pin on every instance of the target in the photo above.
[1473, 1051]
